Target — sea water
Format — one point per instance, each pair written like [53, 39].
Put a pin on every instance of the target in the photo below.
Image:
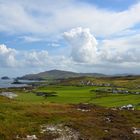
[8, 83]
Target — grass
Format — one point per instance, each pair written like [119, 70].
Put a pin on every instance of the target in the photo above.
[25, 118]
[75, 94]
[118, 100]
[25, 114]
[65, 94]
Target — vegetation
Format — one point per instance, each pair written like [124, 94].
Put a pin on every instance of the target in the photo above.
[69, 104]
[75, 94]
[27, 117]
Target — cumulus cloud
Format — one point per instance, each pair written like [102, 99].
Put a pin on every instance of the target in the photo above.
[7, 56]
[13, 58]
[41, 59]
[83, 45]
[86, 50]
[120, 50]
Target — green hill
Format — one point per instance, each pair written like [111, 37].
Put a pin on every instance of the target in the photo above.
[57, 74]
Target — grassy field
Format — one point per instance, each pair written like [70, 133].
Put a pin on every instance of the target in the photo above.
[74, 95]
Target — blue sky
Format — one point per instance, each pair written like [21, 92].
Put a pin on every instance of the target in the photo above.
[77, 35]
[114, 5]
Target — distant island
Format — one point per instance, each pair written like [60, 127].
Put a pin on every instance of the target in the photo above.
[5, 78]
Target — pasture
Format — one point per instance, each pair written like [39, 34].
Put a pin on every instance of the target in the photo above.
[80, 94]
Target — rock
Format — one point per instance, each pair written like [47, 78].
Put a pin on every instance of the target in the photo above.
[10, 95]
[28, 137]
[64, 132]
[32, 137]
[83, 110]
[136, 130]
[107, 119]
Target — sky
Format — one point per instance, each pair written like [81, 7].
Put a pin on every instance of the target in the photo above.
[101, 36]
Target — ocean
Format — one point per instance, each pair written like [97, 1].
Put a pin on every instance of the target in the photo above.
[8, 83]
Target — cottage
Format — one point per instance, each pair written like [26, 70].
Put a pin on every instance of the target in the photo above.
[137, 92]
[88, 83]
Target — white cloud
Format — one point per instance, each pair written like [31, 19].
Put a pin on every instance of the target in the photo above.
[30, 59]
[85, 49]
[124, 49]
[83, 45]
[30, 39]
[7, 56]
[36, 59]
[56, 17]
[12, 58]
[15, 19]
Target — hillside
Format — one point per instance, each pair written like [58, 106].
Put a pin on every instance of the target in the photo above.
[57, 74]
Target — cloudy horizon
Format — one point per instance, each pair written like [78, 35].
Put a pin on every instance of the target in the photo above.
[73, 35]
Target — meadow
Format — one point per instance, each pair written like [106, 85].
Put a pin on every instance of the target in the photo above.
[80, 94]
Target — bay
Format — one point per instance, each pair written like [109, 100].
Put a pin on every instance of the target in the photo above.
[8, 83]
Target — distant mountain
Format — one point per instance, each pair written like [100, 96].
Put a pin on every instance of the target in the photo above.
[57, 74]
